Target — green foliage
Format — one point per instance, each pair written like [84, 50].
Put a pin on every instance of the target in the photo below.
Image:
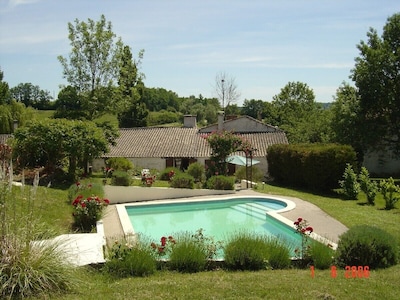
[315, 166]
[121, 178]
[87, 211]
[220, 182]
[197, 171]
[390, 192]
[29, 268]
[119, 163]
[182, 180]
[366, 245]
[93, 65]
[69, 104]
[86, 188]
[188, 255]
[163, 117]
[127, 258]
[165, 174]
[376, 76]
[321, 255]
[369, 187]
[73, 141]
[350, 187]
[222, 144]
[246, 251]
[31, 96]
[279, 256]
[256, 173]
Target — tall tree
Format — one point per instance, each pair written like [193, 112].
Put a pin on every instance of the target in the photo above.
[253, 108]
[93, 64]
[345, 109]
[69, 104]
[4, 90]
[226, 89]
[132, 111]
[296, 112]
[377, 77]
[31, 95]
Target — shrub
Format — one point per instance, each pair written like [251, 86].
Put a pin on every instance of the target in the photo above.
[119, 163]
[316, 166]
[349, 185]
[246, 251]
[366, 245]
[256, 174]
[127, 258]
[197, 171]
[369, 187]
[87, 211]
[182, 181]
[165, 174]
[188, 254]
[321, 255]
[121, 178]
[278, 253]
[390, 192]
[221, 182]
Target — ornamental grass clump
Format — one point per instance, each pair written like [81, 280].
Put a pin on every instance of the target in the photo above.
[188, 255]
[31, 265]
[249, 251]
[321, 255]
[130, 257]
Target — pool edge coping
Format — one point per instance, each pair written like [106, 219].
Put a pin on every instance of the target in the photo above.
[128, 229]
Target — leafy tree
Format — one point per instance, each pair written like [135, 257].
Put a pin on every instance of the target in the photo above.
[222, 144]
[345, 109]
[226, 89]
[12, 113]
[31, 95]
[4, 90]
[93, 64]
[69, 104]
[296, 112]
[133, 112]
[253, 108]
[74, 141]
[157, 99]
[377, 77]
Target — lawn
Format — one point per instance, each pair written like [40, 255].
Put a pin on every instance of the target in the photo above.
[269, 284]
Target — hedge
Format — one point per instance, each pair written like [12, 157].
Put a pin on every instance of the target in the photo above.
[314, 166]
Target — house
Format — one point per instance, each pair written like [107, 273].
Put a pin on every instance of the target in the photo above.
[161, 147]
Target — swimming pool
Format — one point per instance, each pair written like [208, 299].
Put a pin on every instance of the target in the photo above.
[218, 218]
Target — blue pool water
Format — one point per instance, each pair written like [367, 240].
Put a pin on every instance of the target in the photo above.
[218, 218]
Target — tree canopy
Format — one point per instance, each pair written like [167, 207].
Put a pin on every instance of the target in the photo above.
[93, 64]
[377, 77]
[75, 142]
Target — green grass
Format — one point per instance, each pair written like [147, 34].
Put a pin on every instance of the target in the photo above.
[266, 284]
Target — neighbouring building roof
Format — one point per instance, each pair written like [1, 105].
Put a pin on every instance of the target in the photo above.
[159, 142]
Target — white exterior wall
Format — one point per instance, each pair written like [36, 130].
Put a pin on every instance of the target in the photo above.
[382, 163]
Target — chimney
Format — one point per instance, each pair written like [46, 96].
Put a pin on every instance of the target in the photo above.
[189, 121]
[221, 117]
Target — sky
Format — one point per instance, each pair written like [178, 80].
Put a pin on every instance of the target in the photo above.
[261, 44]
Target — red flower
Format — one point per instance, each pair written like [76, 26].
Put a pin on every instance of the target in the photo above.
[303, 230]
[163, 241]
[106, 201]
[296, 223]
[160, 249]
[78, 183]
[153, 245]
[310, 229]
[300, 219]
[83, 204]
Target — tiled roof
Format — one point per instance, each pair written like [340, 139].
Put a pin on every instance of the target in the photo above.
[180, 142]
[159, 142]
